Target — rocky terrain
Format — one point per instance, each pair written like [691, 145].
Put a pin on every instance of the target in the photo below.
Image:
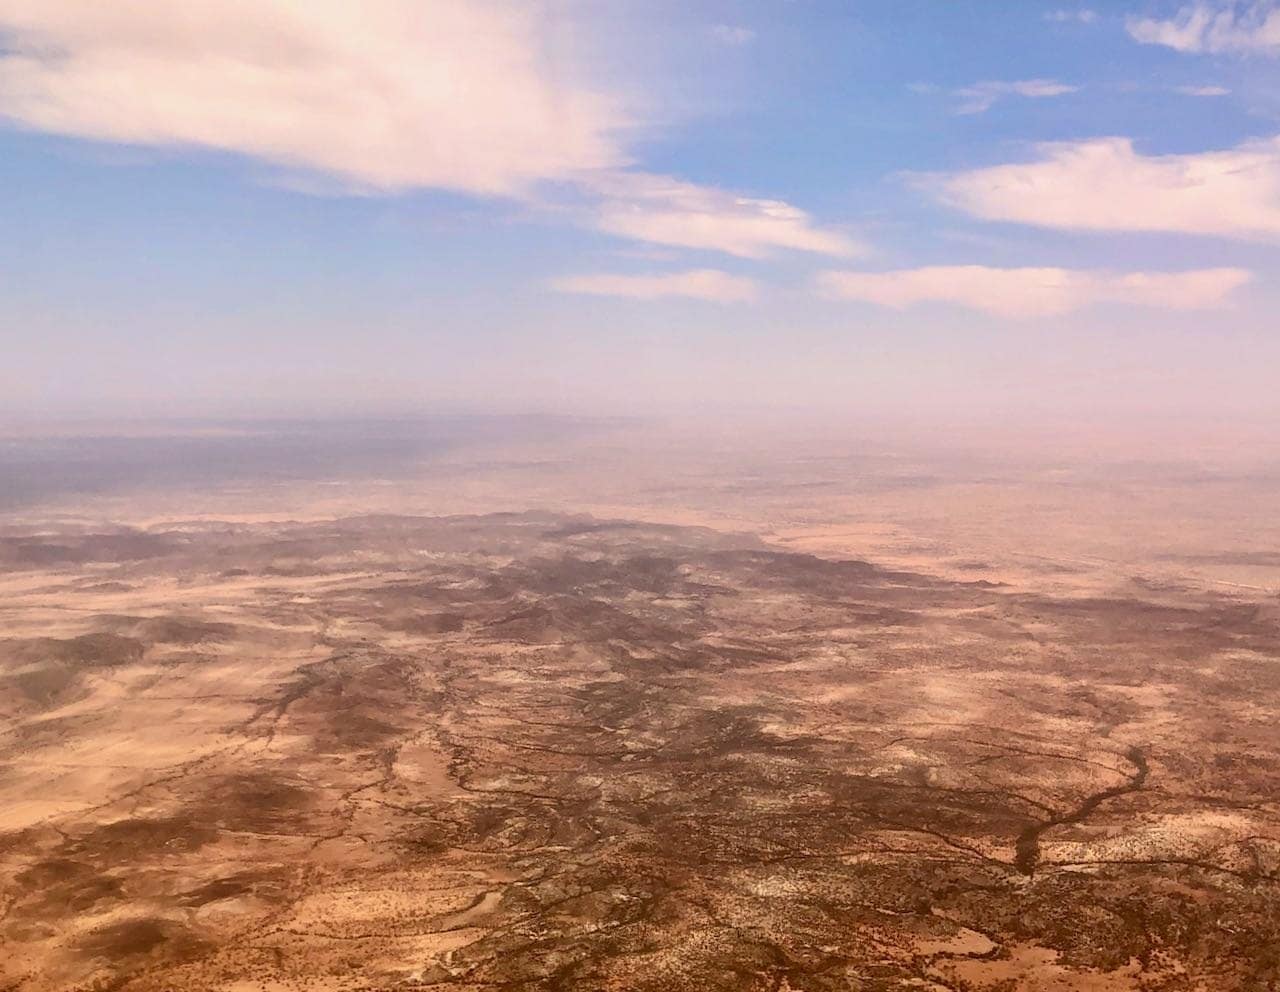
[541, 751]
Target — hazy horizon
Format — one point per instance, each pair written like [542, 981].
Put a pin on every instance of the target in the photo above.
[1030, 212]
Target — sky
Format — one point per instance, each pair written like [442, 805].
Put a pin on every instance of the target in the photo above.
[935, 209]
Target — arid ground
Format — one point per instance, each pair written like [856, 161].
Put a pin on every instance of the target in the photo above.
[665, 716]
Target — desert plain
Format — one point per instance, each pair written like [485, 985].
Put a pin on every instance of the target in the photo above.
[598, 711]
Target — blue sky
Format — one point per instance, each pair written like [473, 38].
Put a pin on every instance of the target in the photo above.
[271, 206]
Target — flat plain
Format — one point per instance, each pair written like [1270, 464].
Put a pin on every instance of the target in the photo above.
[652, 718]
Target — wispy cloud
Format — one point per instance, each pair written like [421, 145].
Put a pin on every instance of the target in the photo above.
[733, 34]
[980, 97]
[385, 95]
[700, 284]
[1033, 292]
[380, 97]
[1236, 28]
[1202, 90]
[667, 211]
[1081, 16]
[1107, 185]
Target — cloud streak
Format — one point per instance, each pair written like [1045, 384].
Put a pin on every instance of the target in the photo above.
[699, 284]
[1107, 185]
[1082, 16]
[1230, 28]
[733, 34]
[981, 97]
[667, 211]
[1033, 292]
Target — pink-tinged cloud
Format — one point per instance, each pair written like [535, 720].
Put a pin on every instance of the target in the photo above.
[1033, 292]
[1219, 28]
[1107, 185]
[1202, 90]
[667, 211]
[1064, 16]
[698, 284]
[381, 94]
[981, 97]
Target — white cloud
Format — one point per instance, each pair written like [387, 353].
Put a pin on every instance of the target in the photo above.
[733, 34]
[1216, 28]
[1202, 90]
[980, 97]
[667, 211]
[1105, 185]
[1083, 16]
[1033, 292]
[478, 96]
[385, 94]
[700, 284]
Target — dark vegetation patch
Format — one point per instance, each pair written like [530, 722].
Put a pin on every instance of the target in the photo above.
[58, 887]
[255, 801]
[267, 884]
[652, 574]
[425, 624]
[126, 546]
[135, 938]
[97, 650]
[46, 671]
[46, 686]
[142, 838]
[184, 630]
[560, 618]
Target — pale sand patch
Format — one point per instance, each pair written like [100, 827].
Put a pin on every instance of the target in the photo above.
[1172, 835]
[425, 764]
[1036, 969]
[22, 813]
[963, 943]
